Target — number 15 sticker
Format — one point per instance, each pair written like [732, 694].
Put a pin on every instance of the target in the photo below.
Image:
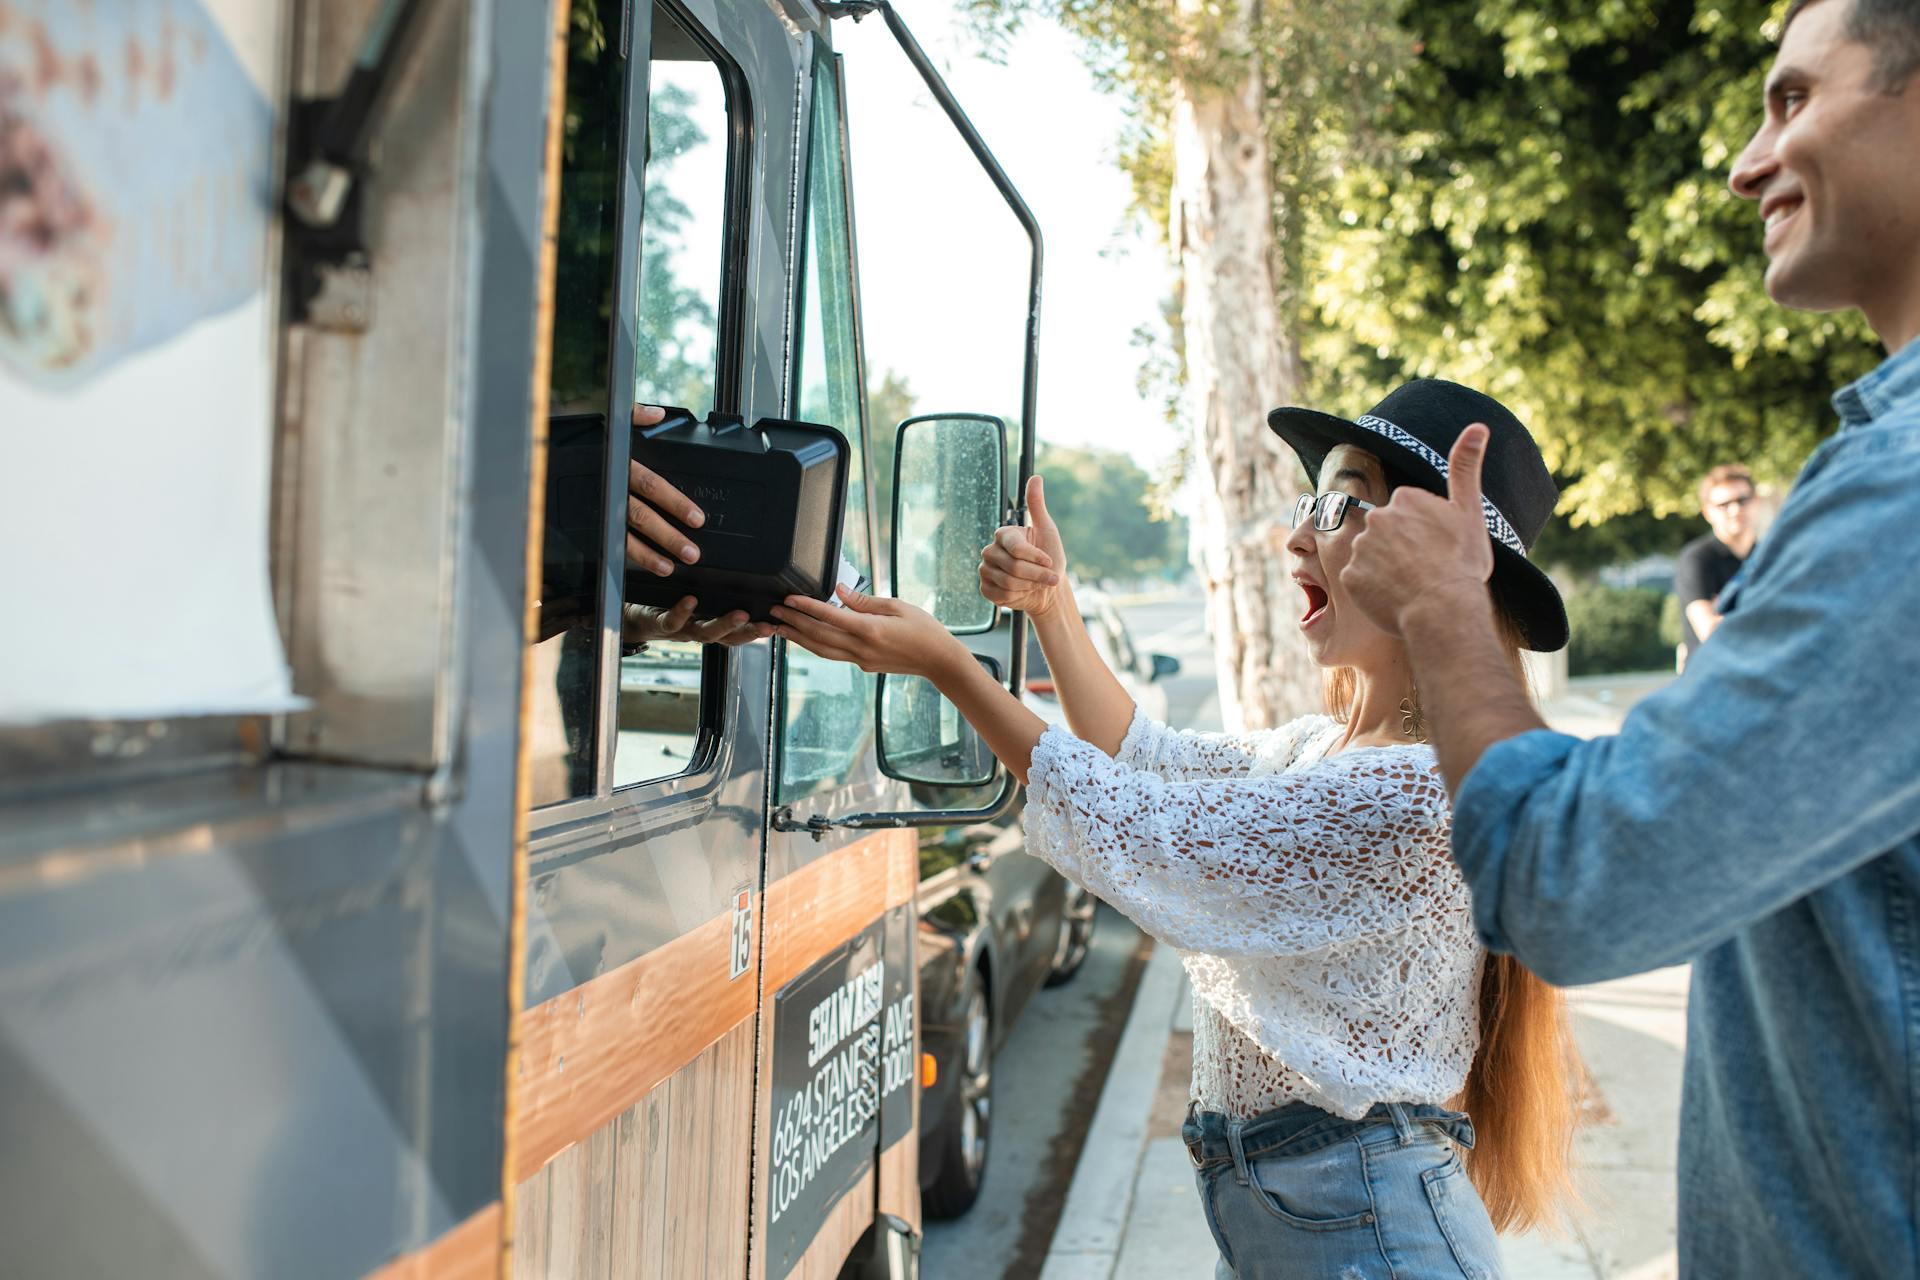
[742, 933]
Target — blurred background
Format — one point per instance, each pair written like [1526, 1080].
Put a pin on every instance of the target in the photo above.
[1251, 205]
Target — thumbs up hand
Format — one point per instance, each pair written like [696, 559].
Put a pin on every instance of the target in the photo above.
[1421, 548]
[1023, 567]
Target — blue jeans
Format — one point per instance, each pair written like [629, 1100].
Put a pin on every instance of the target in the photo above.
[1300, 1192]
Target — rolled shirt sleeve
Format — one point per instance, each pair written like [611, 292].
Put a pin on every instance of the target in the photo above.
[1787, 755]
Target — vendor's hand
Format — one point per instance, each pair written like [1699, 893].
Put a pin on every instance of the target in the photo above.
[874, 633]
[641, 623]
[653, 544]
[1022, 567]
[1423, 549]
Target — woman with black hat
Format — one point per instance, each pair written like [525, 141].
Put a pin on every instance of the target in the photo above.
[1351, 1035]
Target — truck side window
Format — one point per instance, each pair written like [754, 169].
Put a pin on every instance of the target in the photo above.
[564, 667]
[676, 353]
[674, 318]
[828, 706]
[685, 222]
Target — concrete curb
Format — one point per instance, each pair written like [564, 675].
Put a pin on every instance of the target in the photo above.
[1093, 1224]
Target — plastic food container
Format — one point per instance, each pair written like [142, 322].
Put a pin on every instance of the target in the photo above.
[774, 496]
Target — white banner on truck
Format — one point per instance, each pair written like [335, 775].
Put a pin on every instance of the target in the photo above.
[136, 357]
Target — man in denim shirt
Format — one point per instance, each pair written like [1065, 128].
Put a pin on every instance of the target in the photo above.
[1761, 816]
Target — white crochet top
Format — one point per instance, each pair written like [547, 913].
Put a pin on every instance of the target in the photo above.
[1327, 932]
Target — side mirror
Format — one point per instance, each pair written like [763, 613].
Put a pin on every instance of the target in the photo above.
[924, 739]
[949, 494]
[1164, 665]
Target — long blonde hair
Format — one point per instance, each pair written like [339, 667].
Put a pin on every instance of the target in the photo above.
[1522, 1091]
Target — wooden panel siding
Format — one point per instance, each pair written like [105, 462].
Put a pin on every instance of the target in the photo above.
[809, 913]
[590, 1054]
[471, 1251]
[820, 906]
[634, 1094]
[660, 1192]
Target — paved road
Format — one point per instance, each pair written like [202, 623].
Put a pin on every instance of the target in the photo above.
[1177, 627]
[1046, 1082]
[1047, 1079]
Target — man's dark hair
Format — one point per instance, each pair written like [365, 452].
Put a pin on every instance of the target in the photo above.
[1891, 28]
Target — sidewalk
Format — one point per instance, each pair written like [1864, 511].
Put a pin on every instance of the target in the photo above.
[1133, 1212]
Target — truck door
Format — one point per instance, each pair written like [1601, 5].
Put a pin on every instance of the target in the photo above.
[837, 1148]
[633, 1089]
[837, 1015]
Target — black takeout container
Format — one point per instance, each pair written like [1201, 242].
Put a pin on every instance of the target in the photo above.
[774, 497]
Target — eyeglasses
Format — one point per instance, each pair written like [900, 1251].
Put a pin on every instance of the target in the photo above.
[1732, 504]
[1328, 510]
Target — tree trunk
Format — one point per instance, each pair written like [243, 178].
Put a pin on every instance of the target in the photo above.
[1239, 365]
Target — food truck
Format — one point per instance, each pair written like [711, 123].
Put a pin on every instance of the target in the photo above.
[371, 902]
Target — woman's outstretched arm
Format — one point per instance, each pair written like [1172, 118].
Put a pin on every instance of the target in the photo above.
[880, 634]
[1025, 568]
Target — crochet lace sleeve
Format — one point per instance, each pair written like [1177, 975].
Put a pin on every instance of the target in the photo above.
[1186, 755]
[1349, 849]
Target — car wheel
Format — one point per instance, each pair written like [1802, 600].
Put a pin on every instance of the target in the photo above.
[1076, 934]
[965, 1139]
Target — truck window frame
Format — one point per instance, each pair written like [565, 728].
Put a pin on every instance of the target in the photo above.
[827, 67]
[557, 828]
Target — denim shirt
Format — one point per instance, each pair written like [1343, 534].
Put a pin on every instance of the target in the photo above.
[1761, 818]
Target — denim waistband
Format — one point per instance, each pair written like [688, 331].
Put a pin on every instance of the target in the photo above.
[1300, 1127]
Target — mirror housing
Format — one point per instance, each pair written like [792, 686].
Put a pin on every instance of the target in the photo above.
[923, 738]
[949, 495]
[1164, 665]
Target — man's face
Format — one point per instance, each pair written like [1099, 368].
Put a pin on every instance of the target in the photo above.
[1729, 510]
[1835, 168]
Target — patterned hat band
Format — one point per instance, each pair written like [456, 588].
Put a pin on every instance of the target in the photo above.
[1497, 524]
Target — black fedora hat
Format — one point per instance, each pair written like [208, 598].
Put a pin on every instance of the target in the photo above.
[1411, 432]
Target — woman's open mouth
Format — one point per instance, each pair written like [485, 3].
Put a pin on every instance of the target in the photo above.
[1317, 602]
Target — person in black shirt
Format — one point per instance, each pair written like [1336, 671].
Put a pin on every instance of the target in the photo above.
[1708, 563]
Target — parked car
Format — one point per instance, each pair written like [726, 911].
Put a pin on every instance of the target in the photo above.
[997, 924]
[1138, 673]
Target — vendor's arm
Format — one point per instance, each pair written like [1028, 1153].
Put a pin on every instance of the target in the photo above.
[649, 535]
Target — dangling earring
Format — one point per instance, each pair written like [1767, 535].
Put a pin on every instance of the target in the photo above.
[1412, 723]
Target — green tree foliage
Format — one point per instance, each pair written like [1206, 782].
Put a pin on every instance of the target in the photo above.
[675, 321]
[1551, 223]
[1524, 195]
[587, 232]
[1326, 66]
[1617, 629]
[1103, 504]
[1583, 548]
[890, 402]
